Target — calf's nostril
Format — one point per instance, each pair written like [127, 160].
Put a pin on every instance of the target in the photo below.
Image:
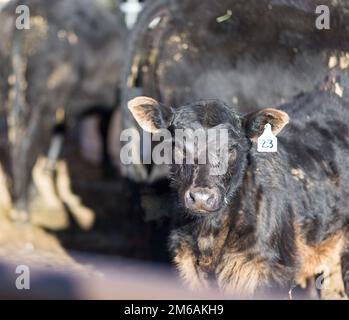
[211, 199]
[191, 196]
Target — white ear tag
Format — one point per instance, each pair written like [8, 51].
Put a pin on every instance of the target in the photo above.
[267, 142]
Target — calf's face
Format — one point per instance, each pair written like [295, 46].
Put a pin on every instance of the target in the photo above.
[203, 189]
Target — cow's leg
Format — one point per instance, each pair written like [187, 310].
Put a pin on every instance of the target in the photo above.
[20, 178]
[28, 142]
[240, 275]
[20, 183]
[186, 262]
[237, 277]
[188, 270]
[345, 266]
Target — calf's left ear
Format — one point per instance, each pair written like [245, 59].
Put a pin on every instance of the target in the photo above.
[255, 122]
[150, 114]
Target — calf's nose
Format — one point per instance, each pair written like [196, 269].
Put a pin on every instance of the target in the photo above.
[202, 199]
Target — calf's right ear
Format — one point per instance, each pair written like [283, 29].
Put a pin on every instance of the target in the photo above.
[150, 114]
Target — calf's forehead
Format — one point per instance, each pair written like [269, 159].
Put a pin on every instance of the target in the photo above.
[205, 115]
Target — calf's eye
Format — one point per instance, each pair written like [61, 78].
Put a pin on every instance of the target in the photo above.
[232, 155]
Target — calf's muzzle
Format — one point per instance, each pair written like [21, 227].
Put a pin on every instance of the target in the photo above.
[202, 200]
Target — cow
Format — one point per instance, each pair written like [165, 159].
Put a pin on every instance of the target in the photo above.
[249, 53]
[65, 65]
[272, 220]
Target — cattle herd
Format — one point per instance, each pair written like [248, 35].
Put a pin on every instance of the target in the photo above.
[271, 220]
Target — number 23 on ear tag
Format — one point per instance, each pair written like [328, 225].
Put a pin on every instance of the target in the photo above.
[267, 142]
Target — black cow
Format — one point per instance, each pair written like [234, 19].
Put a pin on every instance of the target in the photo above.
[249, 53]
[274, 218]
[67, 63]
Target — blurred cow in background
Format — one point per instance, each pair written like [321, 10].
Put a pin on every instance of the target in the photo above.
[250, 54]
[67, 63]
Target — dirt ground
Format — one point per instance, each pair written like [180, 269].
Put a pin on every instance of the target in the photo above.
[30, 245]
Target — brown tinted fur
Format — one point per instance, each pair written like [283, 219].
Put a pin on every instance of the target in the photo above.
[237, 273]
[314, 258]
[234, 271]
[185, 262]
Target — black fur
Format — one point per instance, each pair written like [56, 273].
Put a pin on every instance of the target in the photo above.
[304, 184]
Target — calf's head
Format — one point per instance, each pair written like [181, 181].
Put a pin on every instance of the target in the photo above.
[201, 190]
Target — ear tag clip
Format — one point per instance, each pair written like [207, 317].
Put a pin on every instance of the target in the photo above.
[267, 142]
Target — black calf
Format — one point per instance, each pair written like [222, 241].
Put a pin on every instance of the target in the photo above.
[272, 218]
